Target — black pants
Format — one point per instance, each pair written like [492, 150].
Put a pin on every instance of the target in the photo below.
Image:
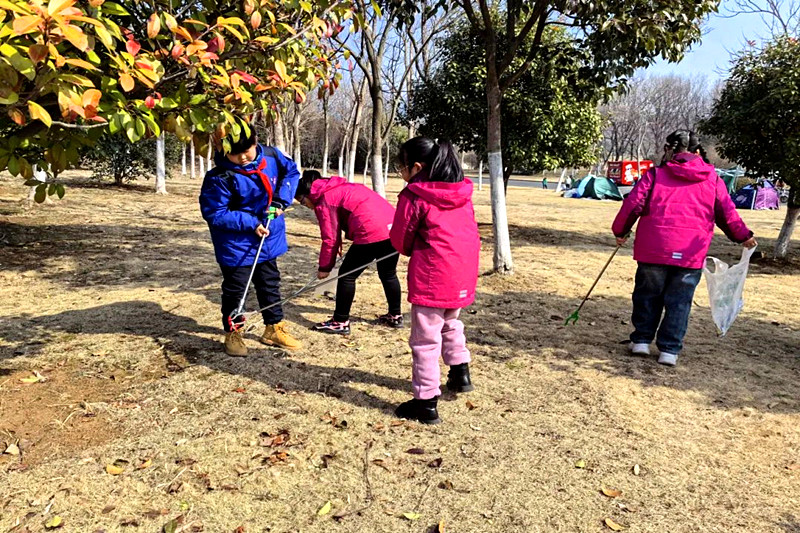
[267, 280]
[358, 255]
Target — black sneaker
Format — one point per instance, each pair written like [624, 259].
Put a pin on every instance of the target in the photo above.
[333, 327]
[423, 411]
[458, 379]
[392, 321]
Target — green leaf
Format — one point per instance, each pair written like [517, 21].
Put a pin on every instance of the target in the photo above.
[32, 183]
[51, 190]
[60, 191]
[412, 516]
[167, 103]
[111, 8]
[41, 193]
[13, 166]
[20, 62]
[11, 99]
[141, 129]
[325, 509]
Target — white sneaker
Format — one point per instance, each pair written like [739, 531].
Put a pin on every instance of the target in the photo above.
[640, 348]
[669, 359]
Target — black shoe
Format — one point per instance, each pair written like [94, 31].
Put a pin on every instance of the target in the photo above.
[458, 378]
[331, 326]
[392, 321]
[423, 411]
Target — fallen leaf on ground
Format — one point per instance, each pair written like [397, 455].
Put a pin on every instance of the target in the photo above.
[54, 523]
[351, 344]
[580, 464]
[380, 463]
[108, 508]
[471, 406]
[439, 527]
[173, 525]
[155, 513]
[474, 427]
[114, 470]
[610, 524]
[636, 470]
[197, 527]
[12, 449]
[611, 493]
[35, 378]
[240, 390]
[325, 509]
[411, 516]
[396, 423]
[795, 466]
[446, 484]
[181, 442]
[416, 451]
[239, 529]
[129, 522]
[174, 487]
[436, 463]
[146, 464]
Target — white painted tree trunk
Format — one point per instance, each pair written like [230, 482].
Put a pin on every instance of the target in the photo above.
[161, 166]
[326, 135]
[279, 132]
[210, 153]
[297, 154]
[201, 164]
[782, 244]
[502, 251]
[561, 179]
[193, 160]
[183, 160]
[480, 175]
[386, 164]
[366, 170]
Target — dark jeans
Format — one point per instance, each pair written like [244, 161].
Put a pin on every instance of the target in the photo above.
[668, 290]
[267, 280]
[358, 255]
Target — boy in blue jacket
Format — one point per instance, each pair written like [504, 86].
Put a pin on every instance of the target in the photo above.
[235, 200]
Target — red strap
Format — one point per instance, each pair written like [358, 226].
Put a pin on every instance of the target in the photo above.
[263, 177]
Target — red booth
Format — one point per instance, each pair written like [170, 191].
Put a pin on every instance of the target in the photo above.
[627, 172]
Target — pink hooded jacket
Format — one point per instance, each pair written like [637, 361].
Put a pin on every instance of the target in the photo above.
[677, 206]
[363, 215]
[435, 225]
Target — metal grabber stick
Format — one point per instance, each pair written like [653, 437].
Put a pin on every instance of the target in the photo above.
[576, 314]
[240, 308]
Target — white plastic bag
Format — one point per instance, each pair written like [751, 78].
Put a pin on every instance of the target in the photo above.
[725, 288]
[324, 288]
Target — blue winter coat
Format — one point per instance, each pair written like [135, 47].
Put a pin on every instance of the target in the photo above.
[235, 204]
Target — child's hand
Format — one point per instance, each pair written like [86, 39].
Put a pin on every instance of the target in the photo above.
[750, 243]
[621, 241]
[261, 231]
[322, 275]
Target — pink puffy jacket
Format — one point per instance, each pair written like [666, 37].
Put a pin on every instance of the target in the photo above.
[435, 225]
[677, 206]
[363, 215]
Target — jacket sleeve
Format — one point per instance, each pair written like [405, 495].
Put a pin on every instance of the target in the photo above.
[331, 235]
[405, 224]
[215, 199]
[633, 205]
[726, 216]
[284, 195]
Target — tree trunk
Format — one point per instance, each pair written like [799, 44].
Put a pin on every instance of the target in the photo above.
[502, 242]
[480, 174]
[366, 169]
[792, 213]
[376, 146]
[279, 132]
[326, 136]
[341, 155]
[183, 160]
[161, 167]
[201, 164]
[210, 153]
[192, 159]
[386, 163]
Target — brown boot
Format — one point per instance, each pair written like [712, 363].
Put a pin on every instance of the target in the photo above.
[234, 344]
[276, 335]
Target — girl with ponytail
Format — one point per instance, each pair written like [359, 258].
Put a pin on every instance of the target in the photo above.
[435, 225]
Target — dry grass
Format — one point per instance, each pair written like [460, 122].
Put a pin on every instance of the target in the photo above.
[113, 296]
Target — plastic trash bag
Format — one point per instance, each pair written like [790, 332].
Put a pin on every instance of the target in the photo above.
[725, 288]
[326, 287]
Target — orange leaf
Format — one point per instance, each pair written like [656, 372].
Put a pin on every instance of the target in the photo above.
[76, 36]
[610, 524]
[611, 493]
[26, 24]
[80, 63]
[57, 6]
[126, 81]
[17, 116]
[37, 52]
[96, 3]
[255, 20]
[91, 97]
[182, 32]
[153, 25]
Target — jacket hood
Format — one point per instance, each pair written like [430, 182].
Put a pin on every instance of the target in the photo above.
[690, 167]
[321, 186]
[220, 160]
[443, 195]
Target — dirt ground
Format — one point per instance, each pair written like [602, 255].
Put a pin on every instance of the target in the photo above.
[143, 424]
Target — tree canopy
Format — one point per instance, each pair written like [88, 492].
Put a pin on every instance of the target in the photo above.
[137, 68]
[549, 114]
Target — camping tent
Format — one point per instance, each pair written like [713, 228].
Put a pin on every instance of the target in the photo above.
[730, 177]
[762, 195]
[597, 188]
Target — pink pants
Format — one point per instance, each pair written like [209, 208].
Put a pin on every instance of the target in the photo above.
[434, 332]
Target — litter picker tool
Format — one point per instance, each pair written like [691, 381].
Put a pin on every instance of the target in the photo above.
[576, 314]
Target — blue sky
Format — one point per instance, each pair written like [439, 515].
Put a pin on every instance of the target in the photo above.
[723, 37]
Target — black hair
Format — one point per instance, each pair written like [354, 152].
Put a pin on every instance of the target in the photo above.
[439, 159]
[685, 141]
[245, 140]
[304, 185]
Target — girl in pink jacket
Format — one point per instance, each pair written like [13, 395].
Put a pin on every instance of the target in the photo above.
[435, 224]
[365, 218]
[677, 205]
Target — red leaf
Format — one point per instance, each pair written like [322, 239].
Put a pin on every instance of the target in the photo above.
[150, 102]
[133, 47]
[247, 78]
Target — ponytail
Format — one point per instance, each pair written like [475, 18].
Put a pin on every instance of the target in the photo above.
[304, 185]
[439, 159]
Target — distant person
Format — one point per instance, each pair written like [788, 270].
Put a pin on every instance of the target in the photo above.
[435, 224]
[677, 205]
[249, 181]
[365, 217]
[544, 183]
